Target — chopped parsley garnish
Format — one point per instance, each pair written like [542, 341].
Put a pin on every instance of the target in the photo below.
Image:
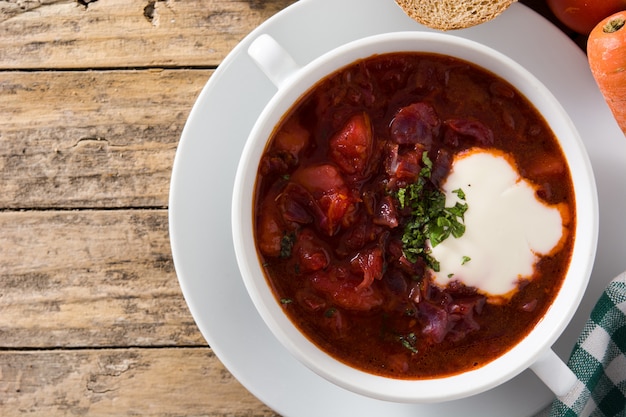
[286, 301]
[286, 245]
[409, 341]
[459, 192]
[430, 219]
[465, 260]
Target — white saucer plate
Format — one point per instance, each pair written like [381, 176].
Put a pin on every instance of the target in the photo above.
[204, 171]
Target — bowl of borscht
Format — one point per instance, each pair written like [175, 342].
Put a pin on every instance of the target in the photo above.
[414, 216]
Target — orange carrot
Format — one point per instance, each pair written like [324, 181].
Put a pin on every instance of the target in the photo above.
[606, 51]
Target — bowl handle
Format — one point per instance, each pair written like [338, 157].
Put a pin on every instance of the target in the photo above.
[551, 369]
[273, 60]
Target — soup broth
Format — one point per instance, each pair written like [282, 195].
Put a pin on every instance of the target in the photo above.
[338, 192]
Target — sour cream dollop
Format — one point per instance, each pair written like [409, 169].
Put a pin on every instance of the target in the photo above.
[507, 227]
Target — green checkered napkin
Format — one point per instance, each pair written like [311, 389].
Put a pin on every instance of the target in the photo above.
[599, 360]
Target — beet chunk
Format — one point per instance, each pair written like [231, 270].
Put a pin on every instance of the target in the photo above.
[415, 123]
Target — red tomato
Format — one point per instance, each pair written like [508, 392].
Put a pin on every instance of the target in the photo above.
[271, 226]
[351, 147]
[327, 186]
[372, 263]
[320, 179]
[311, 251]
[292, 138]
[343, 289]
[583, 15]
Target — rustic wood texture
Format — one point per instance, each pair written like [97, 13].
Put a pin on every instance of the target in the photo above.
[112, 383]
[92, 138]
[125, 33]
[93, 98]
[93, 279]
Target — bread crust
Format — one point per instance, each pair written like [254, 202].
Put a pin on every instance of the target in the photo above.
[453, 14]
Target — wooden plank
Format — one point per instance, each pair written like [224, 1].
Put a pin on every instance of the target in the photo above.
[125, 33]
[90, 278]
[93, 138]
[102, 383]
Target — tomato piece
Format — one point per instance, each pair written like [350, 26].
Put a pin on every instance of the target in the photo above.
[343, 289]
[320, 179]
[372, 263]
[270, 227]
[328, 187]
[336, 205]
[351, 147]
[583, 15]
[292, 137]
[311, 251]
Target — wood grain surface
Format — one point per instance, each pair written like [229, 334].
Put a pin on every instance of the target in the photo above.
[92, 139]
[93, 98]
[122, 382]
[57, 34]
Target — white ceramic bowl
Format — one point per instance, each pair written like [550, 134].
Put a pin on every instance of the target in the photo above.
[534, 350]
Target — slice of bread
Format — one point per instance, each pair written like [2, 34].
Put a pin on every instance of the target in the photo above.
[453, 14]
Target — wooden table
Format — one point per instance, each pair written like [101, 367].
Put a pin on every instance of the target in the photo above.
[93, 98]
